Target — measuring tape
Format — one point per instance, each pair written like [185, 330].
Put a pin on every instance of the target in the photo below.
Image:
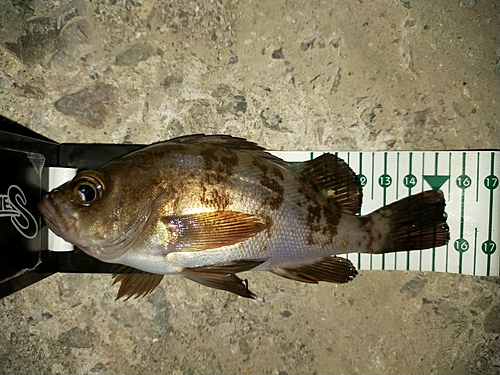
[469, 181]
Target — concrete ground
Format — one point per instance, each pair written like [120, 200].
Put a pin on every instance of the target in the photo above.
[289, 75]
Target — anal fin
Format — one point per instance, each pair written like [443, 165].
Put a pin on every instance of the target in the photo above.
[135, 282]
[331, 269]
[229, 282]
[223, 277]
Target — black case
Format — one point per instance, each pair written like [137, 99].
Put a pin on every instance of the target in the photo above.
[23, 155]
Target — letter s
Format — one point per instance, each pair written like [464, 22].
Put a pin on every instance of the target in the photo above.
[23, 219]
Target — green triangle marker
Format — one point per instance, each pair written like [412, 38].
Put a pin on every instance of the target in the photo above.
[435, 181]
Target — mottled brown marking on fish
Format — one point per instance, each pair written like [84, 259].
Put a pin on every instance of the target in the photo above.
[214, 198]
[332, 218]
[270, 183]
[222, 165]
[313, 217]
[313, 222]
[373, 236]
[277, 172]
[228, 161]
[209, 155]
[327, 227]
[268, 221]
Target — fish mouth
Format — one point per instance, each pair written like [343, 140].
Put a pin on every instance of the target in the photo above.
[48, 210]
[62, 220]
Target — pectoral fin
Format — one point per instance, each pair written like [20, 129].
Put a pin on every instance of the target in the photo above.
[135, 282]
[209, 230]
[223, 276]
[330, 269]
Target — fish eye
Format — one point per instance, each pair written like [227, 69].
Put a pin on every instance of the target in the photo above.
[87, 188]
[87, 193]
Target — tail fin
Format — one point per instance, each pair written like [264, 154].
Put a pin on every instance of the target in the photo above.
[413, 223]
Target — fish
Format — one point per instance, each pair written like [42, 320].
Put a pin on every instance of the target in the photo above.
[208, 207]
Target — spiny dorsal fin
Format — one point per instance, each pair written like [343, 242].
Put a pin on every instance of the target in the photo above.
[209, 230]
[333, 179]
[223, 276]
[228, 141]
[331, 269]
[220, 140]
[135, 282]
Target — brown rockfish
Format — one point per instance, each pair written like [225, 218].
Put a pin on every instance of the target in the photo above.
[210, 206]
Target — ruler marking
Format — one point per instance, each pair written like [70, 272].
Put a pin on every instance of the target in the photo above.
[449, 173]
[423, 169]
[397, 176]
[420, 251]
[461, 245]
[349, 164]
[409, 185]
[373, 187]
[410, 173]
[373, 172]
[436, 156]
[490, 182]
[386, 184]
[475, 251]
[477, 177]
[450, 158]
[436, 161]
[488, 265]
[397, 197]
[423, 188]
[361, 182]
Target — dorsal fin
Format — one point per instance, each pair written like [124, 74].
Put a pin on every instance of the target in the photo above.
[220, 140]
[333, 179]
[228, 141]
